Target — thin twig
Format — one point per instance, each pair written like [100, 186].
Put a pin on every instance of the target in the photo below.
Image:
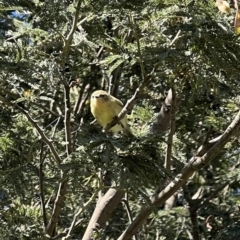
[208, 197]
[175, 38]
[100, 177]
[41, 162]
[47, 109]
[83, 20]
[132, 22]
[83, 99]
[80, 211]
[110, 84]
[68, 40]
[55, 127]
[192, 213]
[64, 233]
[129, 212]
[67, 119]
[62, 190]
[43, 136]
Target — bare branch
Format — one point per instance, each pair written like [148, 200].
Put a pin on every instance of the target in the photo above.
[192, 212]
[37, 127]
[55, 127]
[81, 100]
[80, 211]
[194, 164]
[41, 162]
[68, 40]
[62, 190]
[64, 233]
[67, 119]
[176, 37]
[129, 213]
[64, 181]
[103, 211]
[44, 138]
[47, 110]
[162, 122]
[171, 133]
[172, 200]
[132, 22]
[208, 197]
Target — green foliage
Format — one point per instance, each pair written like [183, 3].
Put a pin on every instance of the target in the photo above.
[190, 46]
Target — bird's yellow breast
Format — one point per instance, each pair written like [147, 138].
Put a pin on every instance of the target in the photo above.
[105, 108]
[104, 111]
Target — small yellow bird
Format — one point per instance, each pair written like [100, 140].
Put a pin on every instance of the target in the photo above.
[105, 108]
[223, 6]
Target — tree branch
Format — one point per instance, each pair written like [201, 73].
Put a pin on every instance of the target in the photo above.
[192, 213]
[132, 22]
[67, 119]
[81, 100]
[62, 190]
[103, 210]
[171, 201]
[171, 133]
[129, 213]
[162, 122]
[36, 126]
[41, 162]
[68, 40]
[80, 211]
[194, 164]
[43, 136]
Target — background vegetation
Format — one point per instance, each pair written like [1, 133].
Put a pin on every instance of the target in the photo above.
[55, 166]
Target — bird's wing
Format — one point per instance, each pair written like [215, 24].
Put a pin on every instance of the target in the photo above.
[119, 102]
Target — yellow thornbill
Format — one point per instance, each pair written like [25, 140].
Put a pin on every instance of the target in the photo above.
[223, 6]
[105, 108]
[237, 23]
